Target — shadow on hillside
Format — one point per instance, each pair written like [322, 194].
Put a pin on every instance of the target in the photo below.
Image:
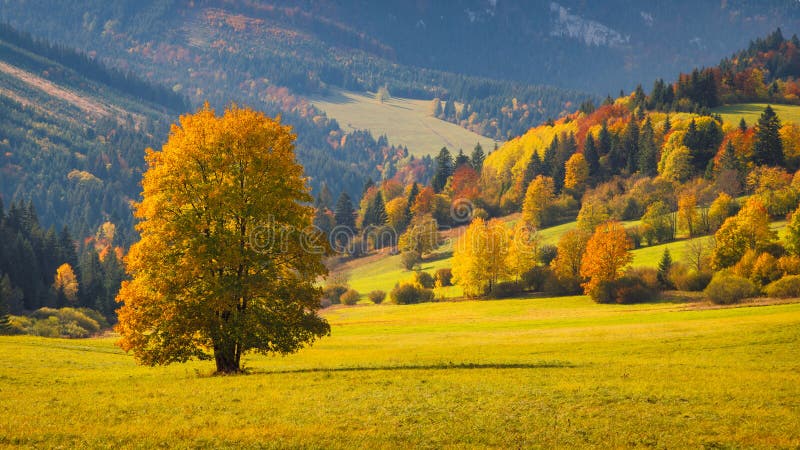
[443, 366]
[333, 96]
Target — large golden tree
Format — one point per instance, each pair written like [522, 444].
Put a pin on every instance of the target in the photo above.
[226, 263]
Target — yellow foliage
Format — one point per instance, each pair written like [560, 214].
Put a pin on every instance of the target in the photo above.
[538, 197]
[577, 172]
[66, 283]
[225, 253]
[523, 250]
[480, 256]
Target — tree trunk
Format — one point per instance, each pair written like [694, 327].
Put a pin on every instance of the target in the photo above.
[227, 358]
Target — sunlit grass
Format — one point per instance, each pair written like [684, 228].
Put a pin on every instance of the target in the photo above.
[560, 372]
[732, 114]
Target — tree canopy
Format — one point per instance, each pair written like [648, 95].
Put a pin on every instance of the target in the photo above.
[225, 263]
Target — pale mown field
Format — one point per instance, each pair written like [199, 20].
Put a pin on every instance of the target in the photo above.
[550, 372]
[404, 121]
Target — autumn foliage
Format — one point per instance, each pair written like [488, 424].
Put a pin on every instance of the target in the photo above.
[607, 255]
[224, 264]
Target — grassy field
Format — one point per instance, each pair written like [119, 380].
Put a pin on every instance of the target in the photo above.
[752, 111]
[508, 374]
[404, 121]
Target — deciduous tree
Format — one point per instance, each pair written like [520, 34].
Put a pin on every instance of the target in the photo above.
[538, 199]
[607, 255]
[225, 264]
[66, 284]
[480, 257]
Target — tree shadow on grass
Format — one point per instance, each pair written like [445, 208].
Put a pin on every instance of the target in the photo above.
[441, 366]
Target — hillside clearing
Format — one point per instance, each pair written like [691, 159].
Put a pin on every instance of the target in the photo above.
[560, 372]
[732, 114]
[404, 121]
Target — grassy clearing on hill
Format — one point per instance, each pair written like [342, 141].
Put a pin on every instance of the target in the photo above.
[732, 114]
[404, 121]
[561, 372]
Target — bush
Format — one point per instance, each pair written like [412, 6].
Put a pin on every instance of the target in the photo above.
[350, 297]
[556, 285]
[444, 277]
[505, 289]
[72, 322]
[377, 297]
[48, 327]
[535, 278]
[325, 302]
[789, 265]
[97, 316]
[425, 280]
[786, 287]
[631, 288]
[19, 325]
[410, 259]
[334, 293]
[726, 288]
[64, 322]
[688, 280]
[635, 235]
[647, 275]
[547, 253]
[408, 293]
[765, 269]
[480, 213]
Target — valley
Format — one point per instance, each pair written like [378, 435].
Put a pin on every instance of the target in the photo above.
[341, 224]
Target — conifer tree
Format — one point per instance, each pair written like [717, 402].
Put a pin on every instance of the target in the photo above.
[604, 140]
[630, 146]
[648, 151]
[376, 212]
[461, 159]
[534, 168]
[412, 197]
[344, 213]
[478, 157]
[664, 267]
[728, 160]
[444, 169]
[592, 158]
[768, 149]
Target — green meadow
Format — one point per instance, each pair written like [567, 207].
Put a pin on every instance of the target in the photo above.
[404, 121]
[732, 114]
[545, 372]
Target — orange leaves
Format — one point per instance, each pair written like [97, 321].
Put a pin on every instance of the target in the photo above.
[607, 254]
[465, 183]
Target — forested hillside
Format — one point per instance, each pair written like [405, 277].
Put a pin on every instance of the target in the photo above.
[661, 161]
[246, 51]
[595, 46]
[72, 145]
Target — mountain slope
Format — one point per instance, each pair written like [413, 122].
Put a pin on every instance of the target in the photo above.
[71, 145]
[221, 51]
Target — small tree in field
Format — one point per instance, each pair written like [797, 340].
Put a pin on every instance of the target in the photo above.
[225, 264]
[66, 283]
[607, 255]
